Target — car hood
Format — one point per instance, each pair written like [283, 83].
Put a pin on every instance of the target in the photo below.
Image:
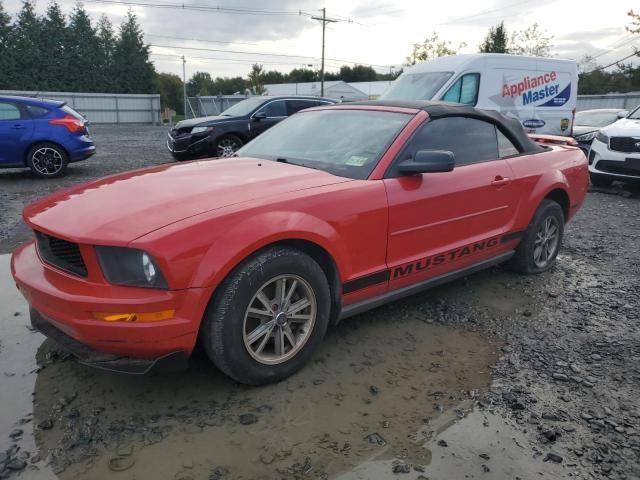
[204, 121]
[118, 209]
[625, 127]
[582, 129]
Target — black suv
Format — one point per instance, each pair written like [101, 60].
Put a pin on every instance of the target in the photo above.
[222, 135]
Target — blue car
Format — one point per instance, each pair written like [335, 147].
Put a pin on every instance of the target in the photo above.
[43, 135]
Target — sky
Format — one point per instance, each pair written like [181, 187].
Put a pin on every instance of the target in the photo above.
[281, 35]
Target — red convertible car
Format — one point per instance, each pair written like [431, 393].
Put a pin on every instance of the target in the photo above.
[334, 211]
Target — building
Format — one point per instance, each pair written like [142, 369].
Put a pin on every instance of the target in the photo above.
[372, 90]
[336, 89]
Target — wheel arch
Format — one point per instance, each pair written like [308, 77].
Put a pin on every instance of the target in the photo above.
[561, 197]
[37, 142]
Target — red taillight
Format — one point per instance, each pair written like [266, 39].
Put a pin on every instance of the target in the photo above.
[73, 124]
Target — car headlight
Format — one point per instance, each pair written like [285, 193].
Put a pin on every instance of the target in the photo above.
[201, 129]
[586, 137]
[129, 266]
[602, 137]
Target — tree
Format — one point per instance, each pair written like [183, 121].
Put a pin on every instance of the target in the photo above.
[6, 50]
[133, 71]
[256, 83]
[496, 40]
[106, 49]
[55, 51]
[200, 84]
[171, 94]
[432, 47]
[359, 73]
[83, 50]
[229, 86]
[531, 41]
[635, 22]
[301, 75]
[273, 76]
[27, 55]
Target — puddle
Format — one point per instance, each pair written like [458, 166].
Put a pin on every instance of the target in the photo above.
[480, 445]
[386, 373]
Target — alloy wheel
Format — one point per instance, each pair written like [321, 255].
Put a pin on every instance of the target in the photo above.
[47, 161]
[227, 147]
[546, 242]
[279, 319]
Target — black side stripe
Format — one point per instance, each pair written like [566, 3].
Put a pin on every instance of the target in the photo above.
[384, 275]
[366, 281]
[509, 237]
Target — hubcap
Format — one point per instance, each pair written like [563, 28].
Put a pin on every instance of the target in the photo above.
[279, 319]
[227, 147]
[546, 242]
[47, 161]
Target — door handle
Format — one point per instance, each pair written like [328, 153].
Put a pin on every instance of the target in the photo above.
[500, 181]
[18, 126]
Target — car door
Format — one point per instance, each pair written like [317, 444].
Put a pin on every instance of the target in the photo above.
[274, 112]
[16, 130]
[441, 222]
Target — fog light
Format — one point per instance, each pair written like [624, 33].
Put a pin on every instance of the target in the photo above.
[135, 317]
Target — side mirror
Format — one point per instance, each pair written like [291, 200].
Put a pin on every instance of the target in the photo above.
[623, 113]
[261, 115]
[428, 161]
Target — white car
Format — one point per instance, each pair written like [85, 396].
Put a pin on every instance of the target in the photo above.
[615, 152]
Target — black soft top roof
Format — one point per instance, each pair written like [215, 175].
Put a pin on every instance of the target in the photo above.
[508, 126]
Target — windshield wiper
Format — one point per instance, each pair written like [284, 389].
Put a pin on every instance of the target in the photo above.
[282, 160]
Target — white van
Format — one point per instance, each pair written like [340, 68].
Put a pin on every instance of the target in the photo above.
[540, 92]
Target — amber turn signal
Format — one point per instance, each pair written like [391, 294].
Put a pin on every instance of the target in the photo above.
[135, 317]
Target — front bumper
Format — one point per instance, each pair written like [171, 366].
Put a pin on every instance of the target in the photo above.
[620, 165]
[67, 304]
[188, 145]
[106, 361]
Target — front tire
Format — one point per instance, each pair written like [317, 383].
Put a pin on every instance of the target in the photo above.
[47, 160]
[541, 242]
[227, 146]
[268, 317]
[601, 181]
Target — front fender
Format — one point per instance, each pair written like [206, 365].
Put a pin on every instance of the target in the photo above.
[260, 230]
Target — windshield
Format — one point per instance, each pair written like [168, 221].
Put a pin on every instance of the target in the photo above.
[348, 143]
[595, 118]
[245, 107]
[416, 86]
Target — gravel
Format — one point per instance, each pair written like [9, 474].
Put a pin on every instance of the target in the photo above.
[119, 148]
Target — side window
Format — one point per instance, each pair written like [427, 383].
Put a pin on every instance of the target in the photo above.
[464, 90]
[9, 111]
[505, 147]
[36, 112]
[294, 106]
[276, 109]
[470, 140]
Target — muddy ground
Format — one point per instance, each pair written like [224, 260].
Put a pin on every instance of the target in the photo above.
[493, 376]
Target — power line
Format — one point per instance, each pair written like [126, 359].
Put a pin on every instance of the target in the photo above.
[225, 42]
[615, 48]
[199, 7]
[268, 54]
[223, 60]
[634, 54]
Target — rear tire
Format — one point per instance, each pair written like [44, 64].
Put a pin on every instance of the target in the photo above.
[541, 242]
[256, 339]
[601, 181]
[47, 160]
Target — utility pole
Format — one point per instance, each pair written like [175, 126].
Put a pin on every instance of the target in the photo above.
[184, 85]
[324, 21]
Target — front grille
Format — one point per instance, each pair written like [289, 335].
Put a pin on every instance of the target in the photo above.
[624, 144]
[61, 254]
